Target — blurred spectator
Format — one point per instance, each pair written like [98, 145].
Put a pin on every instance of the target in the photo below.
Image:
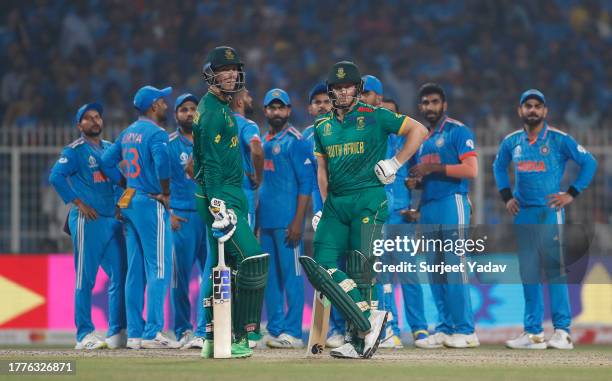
[485, 53]
[584, 114]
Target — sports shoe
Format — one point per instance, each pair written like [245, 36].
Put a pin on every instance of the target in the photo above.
[334, 341]
[160, 341]
[527, 341]
[90, 342]
[377, 330]
[560, 340]
[346, 351]
[287, 342]
[420, 334]
[254, 338]
[118, 340]
[458, 340]
[186, 337]
[267, 338]
[134, 343]
[238, 350]
[195, 342]
[394, 342]
[434, 341]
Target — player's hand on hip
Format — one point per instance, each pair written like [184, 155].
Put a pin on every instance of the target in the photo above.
[294, 233]
[87, 211]
[559, 200]
[423, 169]
[386, 169]
[411, 182]
[315, 220]
[163, 198]
[175, 221]
[512, 206]
[225, 222]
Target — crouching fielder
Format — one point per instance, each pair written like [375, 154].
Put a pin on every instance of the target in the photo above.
[351, 143]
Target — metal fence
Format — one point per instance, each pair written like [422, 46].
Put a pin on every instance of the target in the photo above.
[32, 215]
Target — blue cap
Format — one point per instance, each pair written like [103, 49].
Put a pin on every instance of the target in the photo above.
[532, 94]
[184, 98]
[86, 107]
[319, 88]
[371, 83]
[147, 95]
[277, 94]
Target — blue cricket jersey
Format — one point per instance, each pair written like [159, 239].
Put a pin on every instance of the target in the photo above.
[182, 187]
[287, 174]
[77, 174]
[449, 142]
[398, 195]
[317, 200]
[248, 131]
[141, 151]
[539, 164]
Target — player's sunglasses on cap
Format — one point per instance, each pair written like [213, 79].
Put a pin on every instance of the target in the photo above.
[184, 98]
[532, 94]
[86, 107]
[371, 83]
[319, 88]
[147, 95]
[277, 95]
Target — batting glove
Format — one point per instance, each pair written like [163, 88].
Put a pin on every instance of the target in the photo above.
[225, 220]
[386, 169]
[315, 220]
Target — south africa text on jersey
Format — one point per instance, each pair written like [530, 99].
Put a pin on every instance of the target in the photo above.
[352, 148]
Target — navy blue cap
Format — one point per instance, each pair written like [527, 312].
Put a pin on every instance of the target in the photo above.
[371, 83]
[86, 107]
[532, 94]
[277, 94]
[319, 88]
[184, 98]
[147, 95]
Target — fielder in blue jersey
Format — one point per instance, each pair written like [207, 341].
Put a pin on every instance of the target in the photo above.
[251, 149]
[97, 236]
[188, 228]
[538, 153]
[399, 198]
[141, 151]
[320, 104]
[446, 161]
[284, 197]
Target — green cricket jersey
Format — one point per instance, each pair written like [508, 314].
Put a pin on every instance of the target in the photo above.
[216, 152]
[354, 146]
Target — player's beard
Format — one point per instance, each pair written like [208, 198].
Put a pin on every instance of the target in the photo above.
[433, 117]
[277, 123]
[93, 132]
[532, 120]
[186, 126]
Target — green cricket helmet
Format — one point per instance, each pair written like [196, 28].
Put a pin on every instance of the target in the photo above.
[219, 57]
[344, 72]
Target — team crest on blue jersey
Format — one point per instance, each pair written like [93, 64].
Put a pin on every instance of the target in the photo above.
[544, 150]
[92, 162]
[276, 149]
[517, 151]
[440, 142]
[63, 160]
[184, 158]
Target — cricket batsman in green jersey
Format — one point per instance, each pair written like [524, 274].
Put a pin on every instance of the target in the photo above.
[222, 203]
[351, 144]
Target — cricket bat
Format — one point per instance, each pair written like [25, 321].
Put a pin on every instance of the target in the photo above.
[321, 308]
[222, 307]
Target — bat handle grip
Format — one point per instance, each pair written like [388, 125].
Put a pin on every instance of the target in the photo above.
[221, 253]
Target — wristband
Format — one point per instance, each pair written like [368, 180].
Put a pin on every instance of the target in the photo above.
[506, 194]
[573, 191]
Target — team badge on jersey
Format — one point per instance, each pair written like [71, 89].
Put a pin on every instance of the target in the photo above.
[581, 149]
[184, 158]
[440, 142]
[63, 160]
[517, 152]
[218, 138]
[92, 162]
[365, 220]
[469, 143]
[276, 149]
[360, 123]
[327, 129]
[544, 150]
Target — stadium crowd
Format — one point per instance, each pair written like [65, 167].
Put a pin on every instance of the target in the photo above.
[57, 55]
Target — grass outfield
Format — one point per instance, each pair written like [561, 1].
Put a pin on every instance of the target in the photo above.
[485, 363]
